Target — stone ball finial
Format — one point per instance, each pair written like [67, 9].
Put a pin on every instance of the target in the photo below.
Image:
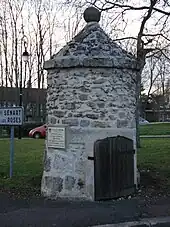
[91, 14]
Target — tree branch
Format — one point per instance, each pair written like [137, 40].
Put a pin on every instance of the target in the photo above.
[124, 38]
[130, 7]
[158, 34]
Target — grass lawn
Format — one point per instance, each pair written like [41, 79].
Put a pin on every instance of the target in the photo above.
[155, 129]
[28, 166]
[154, 155]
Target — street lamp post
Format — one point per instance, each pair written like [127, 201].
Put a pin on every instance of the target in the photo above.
[24, 57]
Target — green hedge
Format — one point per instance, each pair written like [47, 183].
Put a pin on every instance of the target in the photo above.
[26, 127]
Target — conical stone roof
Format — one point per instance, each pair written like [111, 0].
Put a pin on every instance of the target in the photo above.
[93, 41]
[92, 47]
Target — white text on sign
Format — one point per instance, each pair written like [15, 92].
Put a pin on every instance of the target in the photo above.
[11, 116]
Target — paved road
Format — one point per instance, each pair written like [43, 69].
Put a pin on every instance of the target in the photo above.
[43, 213]
[62, 213]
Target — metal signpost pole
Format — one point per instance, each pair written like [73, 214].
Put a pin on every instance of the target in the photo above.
[11, 152]
[11, 116]
[20, 104]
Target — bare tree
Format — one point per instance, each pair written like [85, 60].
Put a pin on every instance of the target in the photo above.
[162, 85]
[1, 68]
[41, 29]
[15, 9]
[150, 75]
[4, 38]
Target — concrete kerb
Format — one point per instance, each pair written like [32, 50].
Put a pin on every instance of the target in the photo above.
[153, 222]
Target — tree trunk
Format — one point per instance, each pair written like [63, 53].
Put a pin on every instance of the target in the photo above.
[164, 104]
[1, 65]
[16, 56]
[138, 103]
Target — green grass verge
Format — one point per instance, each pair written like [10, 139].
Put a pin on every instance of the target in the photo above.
[155, 129]
[154, 155]
[28, 166]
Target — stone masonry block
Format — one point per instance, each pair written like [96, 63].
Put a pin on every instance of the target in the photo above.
[59, 113]
[83, 97]
[69, 182]
[81, 183]
[84, 123]
[47, 164]
[61, 162]
[122, 123]
[57, 184]
[80, 167]
[53, 120]
[92, 116]
[48, 182]
[100, 124]
[71, 122]
[122, 115]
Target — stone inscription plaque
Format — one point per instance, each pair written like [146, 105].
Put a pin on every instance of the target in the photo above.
[57, 137]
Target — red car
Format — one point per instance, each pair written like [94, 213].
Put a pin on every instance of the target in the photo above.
[39, 132]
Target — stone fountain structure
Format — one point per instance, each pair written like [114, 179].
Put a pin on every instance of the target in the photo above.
[91, 95]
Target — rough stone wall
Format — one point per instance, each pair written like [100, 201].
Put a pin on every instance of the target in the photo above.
[64, 174]
[85, 99]
[94, 97]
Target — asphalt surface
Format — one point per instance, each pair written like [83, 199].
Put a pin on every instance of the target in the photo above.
[45, 213]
